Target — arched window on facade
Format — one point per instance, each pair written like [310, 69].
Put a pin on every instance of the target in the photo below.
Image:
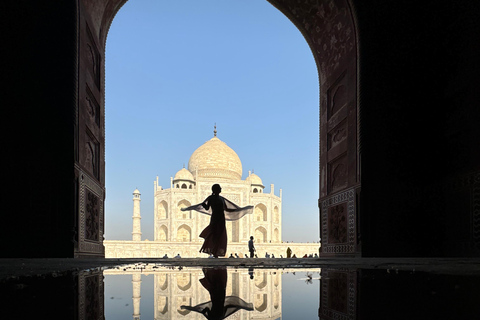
[255, 190]
[261, 234]
[184, 281]
[162, 210]
[260, 212]
[260, 302]
[184, 234]
[184, 186]
[276, 215]
[183, 214]
[162, 234]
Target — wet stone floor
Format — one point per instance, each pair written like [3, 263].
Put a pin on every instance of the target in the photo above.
[158, 291]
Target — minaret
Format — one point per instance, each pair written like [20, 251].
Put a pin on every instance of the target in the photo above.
[136, 234]
[136, 284]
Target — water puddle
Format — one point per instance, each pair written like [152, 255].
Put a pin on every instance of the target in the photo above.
[149, 291]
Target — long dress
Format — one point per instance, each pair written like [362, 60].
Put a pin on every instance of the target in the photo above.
[219, 307]
[215, 234]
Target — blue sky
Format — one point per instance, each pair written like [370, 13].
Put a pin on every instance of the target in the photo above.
[174, 68]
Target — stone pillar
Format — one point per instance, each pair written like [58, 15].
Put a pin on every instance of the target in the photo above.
[136, 285]
[136, 234]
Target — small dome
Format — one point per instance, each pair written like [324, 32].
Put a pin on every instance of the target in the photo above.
[136, 191]
[214, 159]
[183, 174]
[254, 179]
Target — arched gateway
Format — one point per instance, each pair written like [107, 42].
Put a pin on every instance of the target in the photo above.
[399, 155]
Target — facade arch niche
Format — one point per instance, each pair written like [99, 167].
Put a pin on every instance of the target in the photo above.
[184, 281]
[184, 233]
[261, 234]
[276, 299]
[261, 280]
[162, 210]
[162, 304]
[276, 215]
[276, 236]
[260, 302]
[162, 281]
[183, 214]
[183, 301]
[260, 212]
[184, 186]
[162, 233]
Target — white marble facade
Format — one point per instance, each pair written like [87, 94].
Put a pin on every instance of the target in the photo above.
[176, 230]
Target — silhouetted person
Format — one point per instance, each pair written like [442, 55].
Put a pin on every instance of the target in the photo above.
[231, 255]
[289, 252]
[250, 272]
[251, 247]
[215, 234]
[219, 306]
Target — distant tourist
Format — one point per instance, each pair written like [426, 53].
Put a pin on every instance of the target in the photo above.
[231, 255]
[215, 234]
[251, 247]
[315, 256]
[273, 256]
[267, 255]
[294, 256]
[165, 256]
[178, 256]
[289, 252]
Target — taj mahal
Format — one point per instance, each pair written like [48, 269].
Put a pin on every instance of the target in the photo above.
[176, 232]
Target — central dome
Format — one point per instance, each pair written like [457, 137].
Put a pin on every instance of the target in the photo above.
[214, 159]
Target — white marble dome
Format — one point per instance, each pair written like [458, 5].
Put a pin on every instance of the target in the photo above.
[254, 179]
[214, 159]
[183, 174]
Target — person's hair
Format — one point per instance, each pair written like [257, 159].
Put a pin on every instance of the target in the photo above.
[216, 188]
[251, 237]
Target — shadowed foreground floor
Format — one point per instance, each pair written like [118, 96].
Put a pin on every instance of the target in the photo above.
[12, 268]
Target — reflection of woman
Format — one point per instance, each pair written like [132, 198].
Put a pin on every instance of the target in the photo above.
[221, 209]
[220, 307]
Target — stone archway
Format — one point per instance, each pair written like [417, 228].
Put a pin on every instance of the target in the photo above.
[420, 174]
[329, 29]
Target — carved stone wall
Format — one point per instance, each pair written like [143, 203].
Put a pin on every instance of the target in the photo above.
[328, 27]
[338, 295]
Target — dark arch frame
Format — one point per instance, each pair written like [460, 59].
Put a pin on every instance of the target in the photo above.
[408, 139]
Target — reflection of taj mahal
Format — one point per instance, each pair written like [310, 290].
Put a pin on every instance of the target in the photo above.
[174, 288]
[176, 231]
[215, 162]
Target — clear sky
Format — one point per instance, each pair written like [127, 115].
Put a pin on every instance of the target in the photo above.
[176, 67]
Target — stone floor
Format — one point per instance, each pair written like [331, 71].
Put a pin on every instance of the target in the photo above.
[13, 268]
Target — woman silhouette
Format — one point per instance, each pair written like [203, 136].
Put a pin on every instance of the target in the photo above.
[220, 209]
[220, 306]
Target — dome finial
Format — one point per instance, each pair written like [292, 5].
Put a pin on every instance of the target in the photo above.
[215, 130]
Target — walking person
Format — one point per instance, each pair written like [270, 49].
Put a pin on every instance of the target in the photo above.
[251, 247]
